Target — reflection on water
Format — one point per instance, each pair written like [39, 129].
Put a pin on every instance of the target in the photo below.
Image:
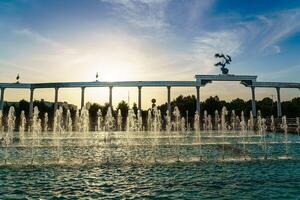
[271, 179]
[73, 148]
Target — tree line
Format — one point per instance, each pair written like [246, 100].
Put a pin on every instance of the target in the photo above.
[186, 105]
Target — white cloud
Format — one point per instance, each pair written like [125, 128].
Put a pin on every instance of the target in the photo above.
[142, 14]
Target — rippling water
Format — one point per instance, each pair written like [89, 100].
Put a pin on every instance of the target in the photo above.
[271, 179]
[145, 166]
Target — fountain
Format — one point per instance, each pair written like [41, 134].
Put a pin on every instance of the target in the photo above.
[243, 126]
[74, 139]
[46, 119]
[22, 127]
[99, 120]
[224, 129]
[69, 124]
[109, 120]
[273, 126]
[168, 122]
[217, 121]
[177, 118]
[284, 126]
[119, 120]
[233, 120]
[36, 129]
[1, 122]
[8, 137]
[251, 122]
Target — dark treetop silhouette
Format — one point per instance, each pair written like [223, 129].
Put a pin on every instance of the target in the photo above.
[226, 61]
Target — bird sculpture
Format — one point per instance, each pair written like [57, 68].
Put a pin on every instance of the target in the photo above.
[226, 61]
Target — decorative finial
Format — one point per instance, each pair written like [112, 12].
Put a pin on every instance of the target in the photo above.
[226, 61]
[18, 78]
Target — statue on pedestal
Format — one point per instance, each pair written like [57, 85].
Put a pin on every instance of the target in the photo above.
[225, 61]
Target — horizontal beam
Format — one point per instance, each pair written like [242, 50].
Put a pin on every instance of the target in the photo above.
[101, 84]
[200, 82]
[276, 85]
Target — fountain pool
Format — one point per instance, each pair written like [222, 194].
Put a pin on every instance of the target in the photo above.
[235, 159]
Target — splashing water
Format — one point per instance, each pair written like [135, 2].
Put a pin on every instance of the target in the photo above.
[251, 122]
[109, 120]
[22, 126]
[119, 121]
[243, 126]
[217, 121]
[284, 126]
[36, 129]
[99, 120]
[46, 121]
[273, 126]
[8, 137]
[168, 122]
[1, 122]
[177, 119]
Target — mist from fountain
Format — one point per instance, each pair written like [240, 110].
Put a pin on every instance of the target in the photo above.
[99, 120]
[272, 126]
[8, 137]
[234, 134]
[243, 127]
[1, 122]
[177, 119]
[261, 124]
[205, 120]
[217, 121]
[69, 123]
[168, 122]
[119, 120]
[197, 122]
[46, 121]
[131, 121]
[22, 127]
[284, 126]
[251, 122]
[84, 121]
[233, 120]
[109, 120]
[139, 121]
[36, 129]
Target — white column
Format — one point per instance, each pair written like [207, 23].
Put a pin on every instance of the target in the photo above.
[2, 98]
[169, 100]
[82, 97]
[279, 113]
[31, 103]
[140, 98]
[253, 101]
[56, 99]
[198, 99]
[110, 96]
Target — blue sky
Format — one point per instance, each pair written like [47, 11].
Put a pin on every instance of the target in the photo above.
[70, 40]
